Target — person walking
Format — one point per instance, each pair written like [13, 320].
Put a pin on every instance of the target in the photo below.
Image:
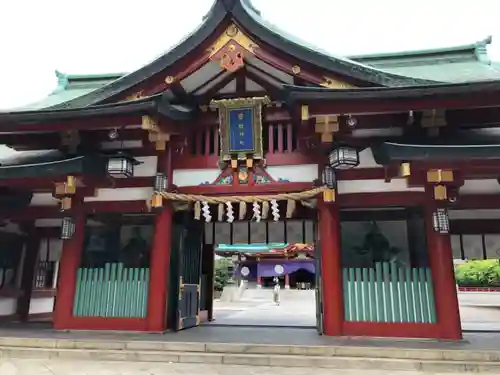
[276, 291]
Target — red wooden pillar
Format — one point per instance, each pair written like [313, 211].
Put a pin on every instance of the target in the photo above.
[287, 281]
[68, 267]
[331, 268]
[160, 271]
[443, 278]
[32, 247]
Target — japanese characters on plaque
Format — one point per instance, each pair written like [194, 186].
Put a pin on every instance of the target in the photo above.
[240, 127]
[240, 130]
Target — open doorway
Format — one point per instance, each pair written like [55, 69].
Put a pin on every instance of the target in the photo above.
[252, 260]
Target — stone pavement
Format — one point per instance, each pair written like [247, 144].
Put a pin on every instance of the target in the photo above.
[64, 367]
[479, 311]
[297, 309]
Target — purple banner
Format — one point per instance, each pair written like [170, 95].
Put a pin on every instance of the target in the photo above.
[285, 268]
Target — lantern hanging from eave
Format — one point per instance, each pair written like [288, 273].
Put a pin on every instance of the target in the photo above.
[440, 221]
[328, 177]
[121, 165]
[161, 182]
[343, 157]
[67, 228]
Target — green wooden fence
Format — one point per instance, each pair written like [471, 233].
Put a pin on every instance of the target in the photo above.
[388, 293]
[113, 291]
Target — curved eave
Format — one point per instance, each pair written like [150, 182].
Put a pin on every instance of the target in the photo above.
[387, 153]
[306, 94]
[157, 103]
[94, 165]
[251, 21]
[210, 23]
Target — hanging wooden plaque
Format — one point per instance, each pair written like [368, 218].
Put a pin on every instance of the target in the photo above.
[240, 127]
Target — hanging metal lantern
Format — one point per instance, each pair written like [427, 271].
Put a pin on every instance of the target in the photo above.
[161, 182]
[328, 177]
[68, 228]
[343, 157]
[440, 221]
[121, 165]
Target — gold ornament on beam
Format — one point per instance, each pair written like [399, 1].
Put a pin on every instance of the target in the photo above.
[439, 175]
[440, 193]
[65, 203]
[405, 170]
[304, 112]
[329, 195]
[156, 201]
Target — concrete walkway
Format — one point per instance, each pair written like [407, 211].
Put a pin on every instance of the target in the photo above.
[62, 367]
[479, 311]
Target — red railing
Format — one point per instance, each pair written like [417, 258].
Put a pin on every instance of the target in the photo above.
[202, 149]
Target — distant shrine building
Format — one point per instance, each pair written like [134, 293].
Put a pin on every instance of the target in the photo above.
[386, 166]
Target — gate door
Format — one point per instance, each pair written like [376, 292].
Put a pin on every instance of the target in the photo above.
[189, 277]
[319, 281]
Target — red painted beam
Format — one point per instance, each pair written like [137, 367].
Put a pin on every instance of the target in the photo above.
[355, 106]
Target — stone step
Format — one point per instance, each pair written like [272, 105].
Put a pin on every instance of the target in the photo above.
[310, 361]
[422, 354]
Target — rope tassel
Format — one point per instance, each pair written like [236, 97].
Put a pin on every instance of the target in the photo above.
[220, 212]
[242, 210]
[197, 210]
[275, 211]
[256, 212]
[265, 209]
[229, 212]
[205, 208]
[290, 208]
[303, 195]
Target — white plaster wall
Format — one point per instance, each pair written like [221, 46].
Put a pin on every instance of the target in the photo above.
[375, 186]
[8, 306]
[125, 194]
[488, 186]
[294, 173]
[195, 177]
[45, 223]
[366, 159]
[41, 305]
[473, 214]
[118, 145]
[43, 199]
[147, 168]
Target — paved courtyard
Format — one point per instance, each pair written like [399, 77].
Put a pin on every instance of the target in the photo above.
[479, 311]
[61, 367]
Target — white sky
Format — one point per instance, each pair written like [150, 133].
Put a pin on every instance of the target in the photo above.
[103, 36]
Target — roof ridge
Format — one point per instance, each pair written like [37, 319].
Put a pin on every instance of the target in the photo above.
[478, 48]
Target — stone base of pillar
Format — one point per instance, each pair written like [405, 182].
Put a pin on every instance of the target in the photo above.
[287, 286]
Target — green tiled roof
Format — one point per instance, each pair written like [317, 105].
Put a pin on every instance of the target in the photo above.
[71, 86]
[465, 63]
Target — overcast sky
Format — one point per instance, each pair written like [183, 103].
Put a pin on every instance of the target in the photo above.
[103, 36]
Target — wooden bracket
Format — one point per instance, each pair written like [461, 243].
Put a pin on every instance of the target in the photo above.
[155, 135]
[434, 118]
[326, 126]
[70, 139]
[437, 176]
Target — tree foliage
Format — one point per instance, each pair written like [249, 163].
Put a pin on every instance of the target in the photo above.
[478, 273]
[223, 269]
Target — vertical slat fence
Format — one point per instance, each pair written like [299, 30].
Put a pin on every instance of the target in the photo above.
[388, 294]
[113, 291]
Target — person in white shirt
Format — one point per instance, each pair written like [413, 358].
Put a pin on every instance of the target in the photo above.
[276, 291]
